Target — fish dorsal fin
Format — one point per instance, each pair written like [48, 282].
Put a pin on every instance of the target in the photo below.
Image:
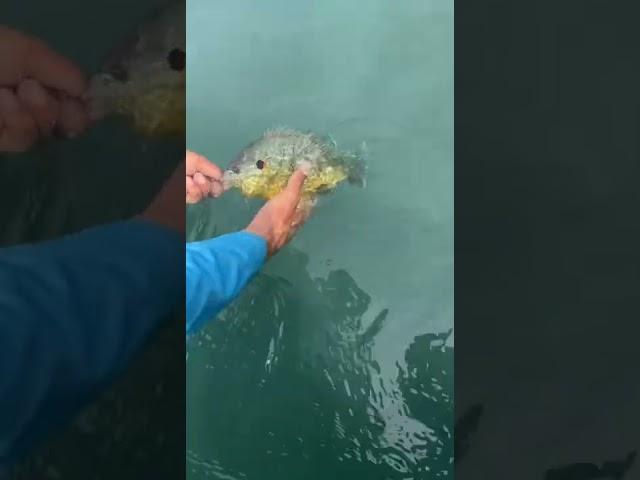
[278, 131]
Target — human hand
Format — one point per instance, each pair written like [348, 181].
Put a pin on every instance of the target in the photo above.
[281, 217]
[204, 178]
[39, 93]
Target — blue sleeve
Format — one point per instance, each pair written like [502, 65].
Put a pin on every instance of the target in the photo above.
[73, 312]
[217, 271]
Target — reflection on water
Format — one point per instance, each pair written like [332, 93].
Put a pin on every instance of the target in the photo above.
[286, 382]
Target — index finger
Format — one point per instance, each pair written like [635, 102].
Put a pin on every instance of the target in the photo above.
[199, 163]
[24, 57]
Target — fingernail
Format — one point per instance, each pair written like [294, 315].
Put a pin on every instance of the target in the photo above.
[305, 167]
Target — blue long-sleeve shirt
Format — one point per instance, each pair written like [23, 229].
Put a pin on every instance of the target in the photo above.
[217, 271]
[73, 312]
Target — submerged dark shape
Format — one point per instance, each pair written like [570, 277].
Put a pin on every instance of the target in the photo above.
[465, 427]
[427, 391]
[373, 329]
[610, 470]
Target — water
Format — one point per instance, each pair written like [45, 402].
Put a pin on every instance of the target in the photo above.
[335, 363]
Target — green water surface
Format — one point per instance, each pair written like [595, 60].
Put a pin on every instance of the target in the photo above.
[335, 363]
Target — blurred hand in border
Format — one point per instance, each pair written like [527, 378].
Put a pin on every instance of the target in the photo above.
[40, 93]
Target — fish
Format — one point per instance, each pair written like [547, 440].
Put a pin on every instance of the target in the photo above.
[263, 168]
[143, 79]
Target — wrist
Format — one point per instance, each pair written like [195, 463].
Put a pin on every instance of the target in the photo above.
[257, 232]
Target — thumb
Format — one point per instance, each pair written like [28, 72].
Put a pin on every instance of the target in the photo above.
[290, 196]
[293, 191]
[295, 184]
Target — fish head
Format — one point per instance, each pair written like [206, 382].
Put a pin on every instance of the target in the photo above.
[259, 171]
[144, 78]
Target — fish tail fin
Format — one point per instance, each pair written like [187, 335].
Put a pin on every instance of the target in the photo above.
[357, 167]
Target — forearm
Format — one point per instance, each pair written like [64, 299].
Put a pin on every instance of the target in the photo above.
[216, 272]
[72, 314]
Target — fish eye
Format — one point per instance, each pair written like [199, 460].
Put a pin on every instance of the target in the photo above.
[259, 164]
[177, 59]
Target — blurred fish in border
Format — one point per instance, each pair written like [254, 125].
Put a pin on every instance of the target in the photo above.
[143, 79]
